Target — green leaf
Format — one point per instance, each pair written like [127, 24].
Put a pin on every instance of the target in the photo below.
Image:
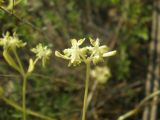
[10, 61]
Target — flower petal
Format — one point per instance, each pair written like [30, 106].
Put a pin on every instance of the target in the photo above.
[58, 54]
[67, 52]
[97, 42]
[92, 41]
[111, 53]
[80, 42]
[74, 42]
[31, 66]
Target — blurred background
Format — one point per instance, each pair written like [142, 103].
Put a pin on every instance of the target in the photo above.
[128, 26]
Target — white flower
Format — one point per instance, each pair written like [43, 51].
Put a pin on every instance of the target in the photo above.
[42, 52]
[9, 42]
[101, 74]
[75, 54]
[98, 52]
[111, 53]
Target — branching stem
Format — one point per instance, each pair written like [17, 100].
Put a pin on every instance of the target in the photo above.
[24, 76]
[30, 112]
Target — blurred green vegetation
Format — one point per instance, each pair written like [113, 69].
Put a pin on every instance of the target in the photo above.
[57, 91]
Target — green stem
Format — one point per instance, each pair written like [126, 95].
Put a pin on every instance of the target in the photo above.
[10, 60]
[30, 112]
[86, 89]
[24, 83]
[19, 62]
[24, 97]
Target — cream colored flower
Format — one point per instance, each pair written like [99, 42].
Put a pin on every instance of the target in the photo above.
[98, 52]
[101, 74]
[110, 53]
[75, 54]
[9, 42]
[42, 52]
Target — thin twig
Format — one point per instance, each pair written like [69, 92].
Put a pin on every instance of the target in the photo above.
[24, 21]
[90, 96]
[150, 112]
[156, 38]
[138, 108]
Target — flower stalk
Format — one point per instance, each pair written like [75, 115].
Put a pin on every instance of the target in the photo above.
[28, 111]
[10, 45]
[24, 97]
[88, 68]
[93, 53]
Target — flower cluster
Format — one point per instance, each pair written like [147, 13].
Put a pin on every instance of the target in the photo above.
[42, 52]
[101, 74]
[11, 42]
[77, 54]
